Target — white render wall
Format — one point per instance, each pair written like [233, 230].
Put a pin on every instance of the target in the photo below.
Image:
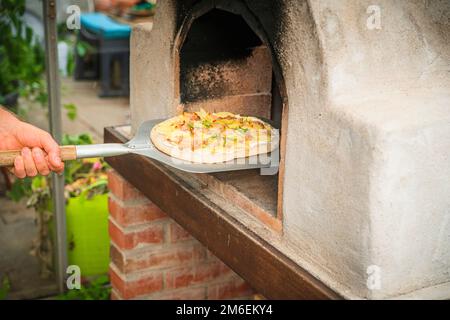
[367, 180]
[151, 67]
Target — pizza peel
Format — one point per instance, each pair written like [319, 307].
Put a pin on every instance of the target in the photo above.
[142, 145]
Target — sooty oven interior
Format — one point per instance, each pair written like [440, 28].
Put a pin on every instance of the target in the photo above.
[224, 62]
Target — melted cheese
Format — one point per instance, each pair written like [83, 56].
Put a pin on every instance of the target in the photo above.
[217, 132]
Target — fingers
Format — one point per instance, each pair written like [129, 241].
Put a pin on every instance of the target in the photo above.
[19, 168]
[30, 167]
[52, 149]
[45, 155]
[40, 161]
[57, 169]
[32, 162]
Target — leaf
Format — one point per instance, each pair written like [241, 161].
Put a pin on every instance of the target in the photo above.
[20, 188]
[5, 287]
[38, 183]
[71, 169]
[83, 138]
[81, 49]
[23, 61]
[71, 111]
[207, 123]
[70, 63]
[98, 289]
[29, 34]
[101, 280]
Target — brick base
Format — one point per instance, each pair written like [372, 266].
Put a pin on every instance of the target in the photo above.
[152, 257]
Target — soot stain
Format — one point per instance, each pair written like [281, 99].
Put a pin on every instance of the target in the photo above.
[220, 37]
[214, 40]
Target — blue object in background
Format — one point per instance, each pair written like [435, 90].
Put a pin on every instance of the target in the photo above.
[104, 26]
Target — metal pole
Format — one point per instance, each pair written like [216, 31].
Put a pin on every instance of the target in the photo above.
[53, 87]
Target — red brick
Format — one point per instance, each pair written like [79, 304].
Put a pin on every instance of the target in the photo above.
[115, 295]
[201, 273]
[121, 188]
[166, 257]
[179, 279]
[234, 288]
[153, 257]
[117, 257]
[129, 215]
[177, 233]
[212, 270]
[130, 238]
[131, 286]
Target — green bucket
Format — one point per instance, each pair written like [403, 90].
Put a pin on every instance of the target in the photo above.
[87, 234]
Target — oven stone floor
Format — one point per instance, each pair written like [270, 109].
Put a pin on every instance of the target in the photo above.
[260, 189]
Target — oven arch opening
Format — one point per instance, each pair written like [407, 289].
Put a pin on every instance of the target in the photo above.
[224, 62]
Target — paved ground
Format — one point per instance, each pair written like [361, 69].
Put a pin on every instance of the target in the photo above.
[17, 227]
[17, 231]
[94, 113]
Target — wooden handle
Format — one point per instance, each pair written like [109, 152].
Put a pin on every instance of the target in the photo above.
[7, 157]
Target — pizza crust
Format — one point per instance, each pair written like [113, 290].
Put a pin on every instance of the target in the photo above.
[204, 155]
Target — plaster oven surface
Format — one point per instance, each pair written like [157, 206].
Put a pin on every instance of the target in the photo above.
[366, 170]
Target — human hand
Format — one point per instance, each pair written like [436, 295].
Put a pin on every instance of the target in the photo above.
[40, 153]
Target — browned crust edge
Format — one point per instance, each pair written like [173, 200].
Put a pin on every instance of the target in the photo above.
[188, 155]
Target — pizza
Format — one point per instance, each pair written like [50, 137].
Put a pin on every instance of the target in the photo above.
[204, 137]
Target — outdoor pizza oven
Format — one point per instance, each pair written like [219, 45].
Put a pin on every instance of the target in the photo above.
[360, 205]
[221, 59]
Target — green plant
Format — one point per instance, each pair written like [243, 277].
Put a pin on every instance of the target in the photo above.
[84, 48]
[97, 289]
[22, 62]
[71, 111]
[4, 288]
[20, 189]
[87, 176]
[70, 63]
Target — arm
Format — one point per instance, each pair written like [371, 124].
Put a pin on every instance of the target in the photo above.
[40, 153]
